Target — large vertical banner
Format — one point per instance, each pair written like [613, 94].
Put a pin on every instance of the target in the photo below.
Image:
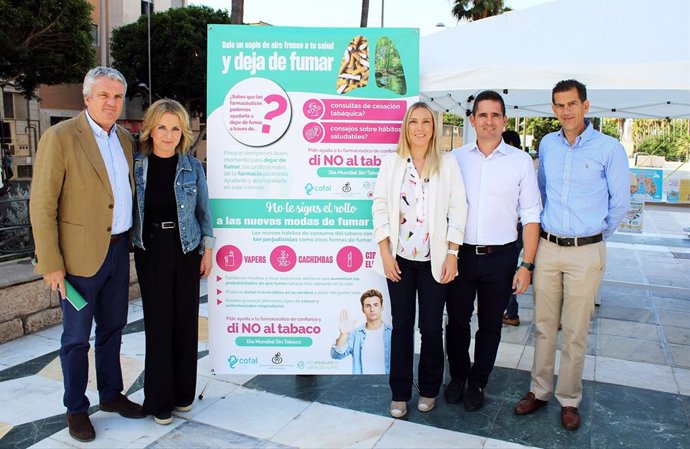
[299, 121]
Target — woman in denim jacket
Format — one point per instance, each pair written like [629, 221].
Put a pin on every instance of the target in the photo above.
[173, 241]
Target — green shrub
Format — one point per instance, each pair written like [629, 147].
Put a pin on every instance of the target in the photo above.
[672, 147]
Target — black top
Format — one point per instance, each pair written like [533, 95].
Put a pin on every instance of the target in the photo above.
[159, 201]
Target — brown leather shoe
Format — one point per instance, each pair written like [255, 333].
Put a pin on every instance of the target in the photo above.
[126, 408]
[80, 427]
[570, 418]
[529, 404]
[511, 321]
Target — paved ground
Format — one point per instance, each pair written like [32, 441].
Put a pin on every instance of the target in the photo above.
[637, 387]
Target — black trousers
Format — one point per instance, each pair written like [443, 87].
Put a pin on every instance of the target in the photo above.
[169, 282]
[416, 280]
[489, 278]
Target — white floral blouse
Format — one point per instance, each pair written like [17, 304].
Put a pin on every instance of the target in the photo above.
[413, 241]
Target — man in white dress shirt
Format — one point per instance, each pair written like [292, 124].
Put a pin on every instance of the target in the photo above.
[501, 185]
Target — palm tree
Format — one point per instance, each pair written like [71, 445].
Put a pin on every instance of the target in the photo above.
[237, 12]
[478, 9]
[365, 14]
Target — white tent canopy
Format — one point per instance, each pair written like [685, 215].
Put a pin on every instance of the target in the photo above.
[633, 56]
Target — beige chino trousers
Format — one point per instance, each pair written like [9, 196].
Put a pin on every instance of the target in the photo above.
[566, 283]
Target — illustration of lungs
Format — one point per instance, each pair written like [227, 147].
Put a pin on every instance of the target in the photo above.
[354, 68]
[388, 67]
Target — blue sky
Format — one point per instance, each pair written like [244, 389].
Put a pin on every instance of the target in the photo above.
[423, 14]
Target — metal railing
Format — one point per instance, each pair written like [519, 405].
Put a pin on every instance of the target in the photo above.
[16, 238]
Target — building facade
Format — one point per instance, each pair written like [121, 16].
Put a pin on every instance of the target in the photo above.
[60, 102]
[19, 131]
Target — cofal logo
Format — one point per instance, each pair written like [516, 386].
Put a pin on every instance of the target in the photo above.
[309, 188]
[233, 360]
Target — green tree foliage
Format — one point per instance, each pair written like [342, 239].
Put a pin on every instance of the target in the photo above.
[612, 127]
[539, 127]
[478, 9]
[673, 148]
[178, 53]
[644, 128]
[452, 119]
[44, 42]
[668, 138]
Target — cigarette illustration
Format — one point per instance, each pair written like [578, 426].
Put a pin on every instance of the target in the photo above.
[354, 68]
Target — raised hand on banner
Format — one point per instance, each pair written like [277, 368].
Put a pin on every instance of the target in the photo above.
[346, 328]
[346, 325]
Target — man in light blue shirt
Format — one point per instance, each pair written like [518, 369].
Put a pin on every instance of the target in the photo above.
[585, 186]
[118, 174]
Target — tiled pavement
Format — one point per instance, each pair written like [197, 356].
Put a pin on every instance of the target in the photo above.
[637, 380]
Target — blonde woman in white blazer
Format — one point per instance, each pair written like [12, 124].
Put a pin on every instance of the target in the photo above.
[419, 213]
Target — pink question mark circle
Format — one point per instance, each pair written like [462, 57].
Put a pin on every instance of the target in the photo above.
[313, 132]
[281, 106]
[256, 112]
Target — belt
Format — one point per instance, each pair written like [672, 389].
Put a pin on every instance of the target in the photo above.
[164, 225]
[115, 237]
[572, 241]
[483, 250]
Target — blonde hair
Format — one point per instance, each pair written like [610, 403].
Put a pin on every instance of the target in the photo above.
[153, 116]
[433, 152]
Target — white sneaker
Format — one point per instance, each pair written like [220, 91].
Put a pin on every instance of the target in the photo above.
[183, 408]
[426, 404]
[163, 418]
[398, 409]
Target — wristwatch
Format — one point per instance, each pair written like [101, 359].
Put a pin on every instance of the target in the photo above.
[453, 252]
[529, 266]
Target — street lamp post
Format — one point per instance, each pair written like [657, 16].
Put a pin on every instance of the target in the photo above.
[382, 8]
[143, 99]
[148, 14]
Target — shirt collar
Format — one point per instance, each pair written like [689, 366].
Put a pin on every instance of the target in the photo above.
[583, 137]
[501, 148]
[97, 130]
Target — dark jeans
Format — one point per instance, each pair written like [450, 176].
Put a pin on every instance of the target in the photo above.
[417, 280]
[489, 278]
[512, 308]
[169, 282]
[107, 294]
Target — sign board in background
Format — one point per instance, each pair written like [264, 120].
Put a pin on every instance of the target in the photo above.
[299, 121]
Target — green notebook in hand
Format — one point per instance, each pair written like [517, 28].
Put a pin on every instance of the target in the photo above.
[72, 295]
